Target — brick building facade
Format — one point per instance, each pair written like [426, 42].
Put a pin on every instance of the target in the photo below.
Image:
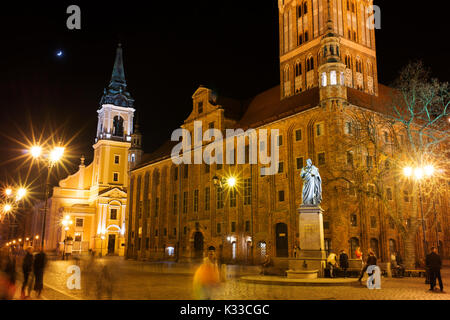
[328, 73]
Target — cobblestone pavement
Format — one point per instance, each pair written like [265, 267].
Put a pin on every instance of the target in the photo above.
[139, 281]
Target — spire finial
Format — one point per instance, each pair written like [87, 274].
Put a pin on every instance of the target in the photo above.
[82, 160]
[329, 22]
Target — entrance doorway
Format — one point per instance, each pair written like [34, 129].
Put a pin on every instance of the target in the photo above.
[198, 245]
[111, 243]
[282, 240]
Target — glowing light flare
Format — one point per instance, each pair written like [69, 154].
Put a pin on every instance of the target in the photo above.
[21, 193]
[7, 208]
[429, 170]
[8, 191]
[418, 173]
[36, 151]
[56, 154]
[408, 171]
[231, 182]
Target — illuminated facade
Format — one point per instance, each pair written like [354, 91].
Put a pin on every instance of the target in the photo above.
[327, 72]
[95, 197]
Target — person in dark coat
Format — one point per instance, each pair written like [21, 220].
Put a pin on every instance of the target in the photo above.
[27, 265]
[434, 265]
[343, 262]
[371, 261]
[40, 261]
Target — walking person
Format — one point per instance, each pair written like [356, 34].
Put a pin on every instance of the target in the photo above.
[343, 262]
[371, 261]
[40, 260]
[434, 265]
[27, 265]
[206, 278]
[332, 264]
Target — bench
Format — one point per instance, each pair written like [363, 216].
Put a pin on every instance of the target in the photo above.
[415, 273]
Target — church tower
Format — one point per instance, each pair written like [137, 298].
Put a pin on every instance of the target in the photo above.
[303, 26]
[333, 92]
[114, 131]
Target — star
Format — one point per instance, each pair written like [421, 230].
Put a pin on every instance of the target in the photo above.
[59, 53]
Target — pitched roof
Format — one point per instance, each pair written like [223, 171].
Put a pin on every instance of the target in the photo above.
[267, 107]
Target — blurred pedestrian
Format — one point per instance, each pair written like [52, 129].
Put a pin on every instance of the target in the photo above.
[8, 276]
[359, 255]
[434, 265]
[343, 262]
[400, 266]
[27, 265]
[332, 264]
[206, 278]
[266, 264]
[40, 261]
[371, 261]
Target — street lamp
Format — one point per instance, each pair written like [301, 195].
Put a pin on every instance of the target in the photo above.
[419, 173]
[53, 156]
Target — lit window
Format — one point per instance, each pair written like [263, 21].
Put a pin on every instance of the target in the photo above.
[333, 78]
[324, 79]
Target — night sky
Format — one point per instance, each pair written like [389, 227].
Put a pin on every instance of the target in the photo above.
[170, 48]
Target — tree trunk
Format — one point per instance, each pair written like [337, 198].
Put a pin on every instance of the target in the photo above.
[410, 244]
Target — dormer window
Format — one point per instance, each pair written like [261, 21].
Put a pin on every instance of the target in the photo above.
[200, 107]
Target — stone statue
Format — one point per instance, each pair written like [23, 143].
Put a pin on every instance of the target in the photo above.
[312, 185]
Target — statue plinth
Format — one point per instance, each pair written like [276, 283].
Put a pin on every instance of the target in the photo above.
[311, 260]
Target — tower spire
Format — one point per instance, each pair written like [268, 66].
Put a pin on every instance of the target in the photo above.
[118, 74]
[117, 93]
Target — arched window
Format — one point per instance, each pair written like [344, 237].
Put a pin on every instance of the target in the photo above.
[324, 79]
[299, 11]
[305, 8]
[298, 69]
[310, 64]
[118, 126]
[300, 39]
[354, 244]
[306, 36]
[333, 78]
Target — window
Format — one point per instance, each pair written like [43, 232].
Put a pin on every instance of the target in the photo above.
[233, 198]
[300, 39]
[348, 128]
[185, 201]
[184, 230]
[350, 157]
[319, 129]
[326, 225]
[79, 222]
[174, 231]
[298, 135]
[280, 167]
[321, 158]
[389, 193]
[220, 201]
[306, 36]
[298, 69]
[113, 214]
[333, 78]
[165, 231]
[247, 191]
[405, 196]
[373, 221]
[200, 107]
[156, 206]
[219, 166]
[175, 204]
[195, 200]
[305, 8]
[353, 220]
[116, 159]
[247, 226]
[233, 226]
[115, 176]
[299, 163]
[175, 174]
[207, 198]
[219, 227]
[186, 171]
[207, 168]
[324, 79]
[78, 237]
[281, 195]
[211, 125]
[299, 11]
[156, 232]
[280, 140]
[369, 161]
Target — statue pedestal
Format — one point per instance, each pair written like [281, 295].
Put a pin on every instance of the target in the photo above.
[311, 260]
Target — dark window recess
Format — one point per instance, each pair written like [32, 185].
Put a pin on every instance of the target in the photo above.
[233, 226]
[281, 195]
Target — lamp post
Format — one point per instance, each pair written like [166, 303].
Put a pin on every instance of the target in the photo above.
[102, 237]
[51, 159]
[419, 173]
